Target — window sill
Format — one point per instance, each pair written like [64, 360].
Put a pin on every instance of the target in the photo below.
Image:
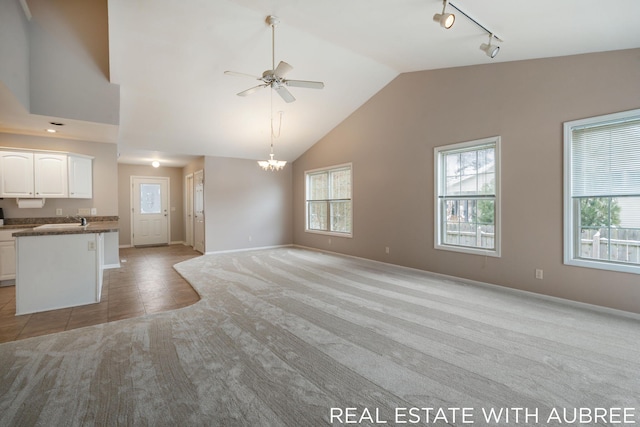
[467, 250]
[604, 265]
[330, 233]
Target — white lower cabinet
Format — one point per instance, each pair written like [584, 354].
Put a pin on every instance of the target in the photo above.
[7, 254]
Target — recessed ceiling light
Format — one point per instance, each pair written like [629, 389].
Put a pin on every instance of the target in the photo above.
[52, 130]
[155, 164]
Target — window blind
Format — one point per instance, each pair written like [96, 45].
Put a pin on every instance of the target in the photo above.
[606, 159]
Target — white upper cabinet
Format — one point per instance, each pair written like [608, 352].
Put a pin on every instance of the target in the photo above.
[50, 175]
[16, 169]
[80, 177]
[45, 175]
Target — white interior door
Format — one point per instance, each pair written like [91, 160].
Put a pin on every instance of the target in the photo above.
[150, 211]
[188, 191]
[198, 208]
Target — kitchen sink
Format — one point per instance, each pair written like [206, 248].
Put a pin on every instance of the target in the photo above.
[54, 226]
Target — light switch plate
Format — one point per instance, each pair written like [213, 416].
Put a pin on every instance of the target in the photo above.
[84, 211]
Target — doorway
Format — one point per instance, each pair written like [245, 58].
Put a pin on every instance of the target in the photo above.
[188, 191]
[198, 202]
[149, 211]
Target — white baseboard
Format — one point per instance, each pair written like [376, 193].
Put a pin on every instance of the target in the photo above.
[110, 266]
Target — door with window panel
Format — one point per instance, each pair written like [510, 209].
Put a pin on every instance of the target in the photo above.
[150, 208]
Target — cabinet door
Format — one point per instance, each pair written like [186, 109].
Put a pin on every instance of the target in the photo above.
[80, 177]
[7, 260]
[16, 169]
[51, 175]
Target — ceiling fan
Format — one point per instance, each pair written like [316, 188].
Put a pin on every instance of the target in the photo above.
[275, 76]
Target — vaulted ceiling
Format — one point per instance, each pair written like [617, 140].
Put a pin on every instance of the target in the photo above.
[168, 58]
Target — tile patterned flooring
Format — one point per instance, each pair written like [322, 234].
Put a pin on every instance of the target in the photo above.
[145, 283]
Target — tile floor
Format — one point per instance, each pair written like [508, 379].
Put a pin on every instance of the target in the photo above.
[145, 283]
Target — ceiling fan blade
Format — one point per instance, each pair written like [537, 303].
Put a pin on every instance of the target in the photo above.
[284, 93]
[282, 69]
[252, 90]
[304, 83]
[235, 73]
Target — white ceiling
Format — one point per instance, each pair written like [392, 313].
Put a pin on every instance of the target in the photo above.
[169, 59]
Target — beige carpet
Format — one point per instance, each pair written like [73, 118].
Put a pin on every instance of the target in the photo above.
[290, 337]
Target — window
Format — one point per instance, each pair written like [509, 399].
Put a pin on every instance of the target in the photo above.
[602, 192]
[467, 205]
[329, 205]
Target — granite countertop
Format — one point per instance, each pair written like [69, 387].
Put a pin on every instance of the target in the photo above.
[73, 228]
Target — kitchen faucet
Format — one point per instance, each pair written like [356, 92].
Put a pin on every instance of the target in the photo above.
[83, 220]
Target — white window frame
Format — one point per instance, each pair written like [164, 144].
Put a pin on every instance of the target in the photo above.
[306, 202]
[439, 184]
[571, 220]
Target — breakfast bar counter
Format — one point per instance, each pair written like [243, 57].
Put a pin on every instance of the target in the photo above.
[61, 265]
[68, 228]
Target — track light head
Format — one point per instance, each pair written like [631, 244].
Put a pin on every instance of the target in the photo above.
[445, 20]
[490, 50]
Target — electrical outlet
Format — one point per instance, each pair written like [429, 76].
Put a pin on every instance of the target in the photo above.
[94, 211]
[58, 211]
[539, 274]
[329, 240]
[92, 246]
[386, 249]
[249, 238]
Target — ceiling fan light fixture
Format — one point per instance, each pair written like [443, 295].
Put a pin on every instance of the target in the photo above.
[275, 77]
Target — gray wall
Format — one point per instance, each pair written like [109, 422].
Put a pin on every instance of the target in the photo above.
[246, 207]
[14, 50]
[57, 64]
[176, 198]
[390, 141]
[74, 82]
[105, 176]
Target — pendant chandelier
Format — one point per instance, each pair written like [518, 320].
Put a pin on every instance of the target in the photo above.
[273, 164]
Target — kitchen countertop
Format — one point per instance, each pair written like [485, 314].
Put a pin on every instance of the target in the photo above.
[92, 227]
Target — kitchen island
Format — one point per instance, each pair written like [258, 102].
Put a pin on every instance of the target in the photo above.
[60, 265]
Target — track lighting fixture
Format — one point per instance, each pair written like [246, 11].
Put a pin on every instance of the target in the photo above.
[489, 49]
[445, 20]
